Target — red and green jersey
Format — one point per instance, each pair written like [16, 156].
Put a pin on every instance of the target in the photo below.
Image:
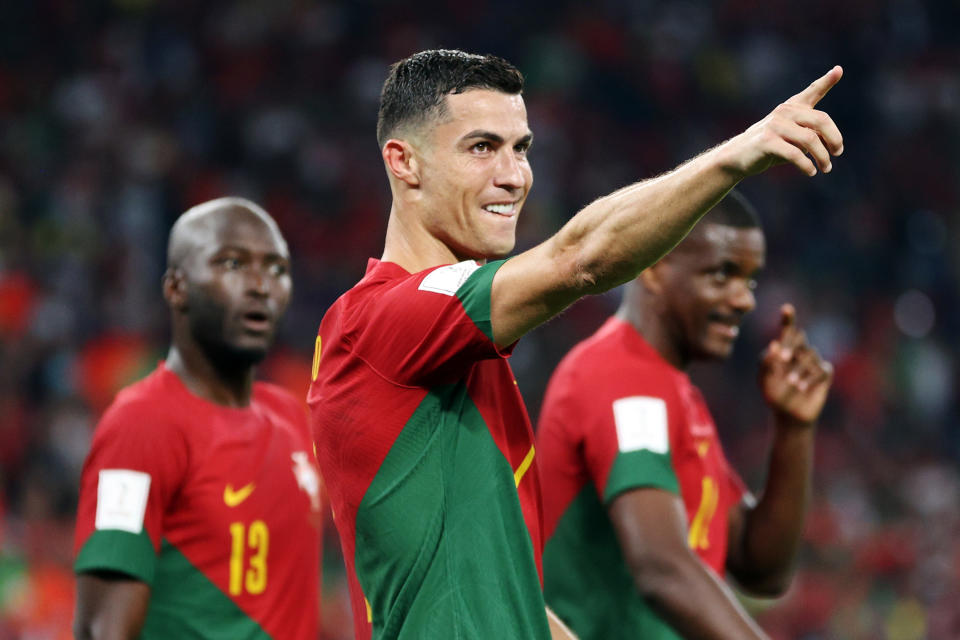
[617, 417]
[217, 509]
[427, 454]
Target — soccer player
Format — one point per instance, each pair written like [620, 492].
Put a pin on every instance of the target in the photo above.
[642, 512]
[199, 502]
[422, 436]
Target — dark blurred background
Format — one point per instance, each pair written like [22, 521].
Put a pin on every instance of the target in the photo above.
[117, 116]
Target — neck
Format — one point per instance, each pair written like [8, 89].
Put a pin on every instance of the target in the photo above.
[412, 246]
[637, 311]
[229, 385]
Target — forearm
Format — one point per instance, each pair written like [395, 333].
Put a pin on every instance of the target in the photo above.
[110, 606]
[651, 526]
[773, 529]
[614, 238]
[99, 631]
[104, 627]
[607, 243]
[558, 630]
[696, 602]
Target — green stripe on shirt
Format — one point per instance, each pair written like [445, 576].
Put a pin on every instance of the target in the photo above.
[121, 551]
[442, 547]
[640, 468]
[474, 295]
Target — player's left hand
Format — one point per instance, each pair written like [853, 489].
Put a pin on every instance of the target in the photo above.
[794, 378]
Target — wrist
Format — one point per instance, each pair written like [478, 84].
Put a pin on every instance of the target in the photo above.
[729, 161]
[787, 421]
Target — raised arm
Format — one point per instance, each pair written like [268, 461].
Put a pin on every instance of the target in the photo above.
[764, 539]
[611, 240]
[110, 606]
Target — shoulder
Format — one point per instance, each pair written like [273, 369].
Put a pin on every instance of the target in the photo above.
[611, 379]
[580, 384]
[363, 298]
[275, 397]
[420, 302]
[447, 280]
[591, 353]
[280, 402]
[610, 360]
[142, 406]
[146, 426]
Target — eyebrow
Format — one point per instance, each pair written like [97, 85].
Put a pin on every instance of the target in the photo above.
[495, 137]
[270, 255]
[733, 266]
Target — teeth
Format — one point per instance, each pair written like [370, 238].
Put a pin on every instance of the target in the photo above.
[500, 208]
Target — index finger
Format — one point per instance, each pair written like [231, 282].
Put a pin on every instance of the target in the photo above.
[788, 316]
[788, 330]
[818, 88]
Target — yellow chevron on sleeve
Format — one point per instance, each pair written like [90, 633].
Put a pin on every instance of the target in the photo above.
[369, 610]
[522, 469]
[315, 370]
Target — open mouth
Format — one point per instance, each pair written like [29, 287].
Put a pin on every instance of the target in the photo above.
[256, 321]
[726, 325]
[506, 209]
[730, 331]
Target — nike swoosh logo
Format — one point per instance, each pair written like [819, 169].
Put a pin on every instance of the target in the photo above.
[232, 498]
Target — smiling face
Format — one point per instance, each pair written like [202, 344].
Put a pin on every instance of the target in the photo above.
[475, 175]
[236, 278]
[707, 289]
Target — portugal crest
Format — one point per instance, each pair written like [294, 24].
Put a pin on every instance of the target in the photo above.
[307, 477]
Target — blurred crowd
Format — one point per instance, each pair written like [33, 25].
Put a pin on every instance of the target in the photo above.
[115, 116]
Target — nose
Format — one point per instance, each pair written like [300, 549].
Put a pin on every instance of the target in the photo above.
[258, 283]
[742, 298]
[510, 170]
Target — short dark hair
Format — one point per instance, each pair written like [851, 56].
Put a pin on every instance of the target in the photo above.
[734, 211]
[417, 86]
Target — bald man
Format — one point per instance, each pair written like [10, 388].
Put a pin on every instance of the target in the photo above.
[199, 502]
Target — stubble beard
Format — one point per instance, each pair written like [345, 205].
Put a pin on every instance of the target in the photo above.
[208, 326]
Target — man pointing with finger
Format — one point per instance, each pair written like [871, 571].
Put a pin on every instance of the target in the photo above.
[422, 436]
[643, 515]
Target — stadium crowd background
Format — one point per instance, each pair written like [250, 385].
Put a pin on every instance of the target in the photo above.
[117, 116]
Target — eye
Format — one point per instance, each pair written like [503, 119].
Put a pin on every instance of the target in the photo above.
[727, 271]
[521, 148]
[278, 270]
[231, 263]
[720, 276]
[482, 147]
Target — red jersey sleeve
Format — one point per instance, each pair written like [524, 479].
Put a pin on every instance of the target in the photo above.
[135, 466]
[427, 328]
[628, 431]
[559, 448]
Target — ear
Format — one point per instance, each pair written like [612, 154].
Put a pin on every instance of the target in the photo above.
[652, 278]
[175, 289]
[400, 158]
